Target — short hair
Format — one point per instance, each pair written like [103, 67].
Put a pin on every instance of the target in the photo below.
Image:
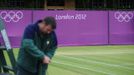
[50, 21]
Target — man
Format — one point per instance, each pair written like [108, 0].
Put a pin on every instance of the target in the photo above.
[38, 46]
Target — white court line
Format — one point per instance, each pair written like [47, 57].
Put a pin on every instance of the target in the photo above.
[94, 53]
[83, 68]
[91, 61]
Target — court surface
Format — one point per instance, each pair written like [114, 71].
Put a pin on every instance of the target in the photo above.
[92, 60]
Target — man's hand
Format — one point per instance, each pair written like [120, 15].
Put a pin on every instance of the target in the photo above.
[46, 60]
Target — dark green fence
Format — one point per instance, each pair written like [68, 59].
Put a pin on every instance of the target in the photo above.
[79, 4]
[22, 4]
[104, 4]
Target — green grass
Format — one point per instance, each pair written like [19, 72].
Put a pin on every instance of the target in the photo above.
[92, 60]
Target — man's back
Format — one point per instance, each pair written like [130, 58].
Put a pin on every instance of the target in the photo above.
[28, 59]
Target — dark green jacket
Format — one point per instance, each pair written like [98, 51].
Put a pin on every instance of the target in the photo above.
[34, 47]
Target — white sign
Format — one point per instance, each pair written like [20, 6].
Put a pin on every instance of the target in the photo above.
[123, 16]
[11, 16]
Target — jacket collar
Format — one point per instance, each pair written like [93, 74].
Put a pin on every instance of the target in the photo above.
[36, 26]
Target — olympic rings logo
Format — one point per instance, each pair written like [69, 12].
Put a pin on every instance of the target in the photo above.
[11, 16]
[123, 16]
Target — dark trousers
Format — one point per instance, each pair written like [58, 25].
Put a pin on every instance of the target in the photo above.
[21, 71]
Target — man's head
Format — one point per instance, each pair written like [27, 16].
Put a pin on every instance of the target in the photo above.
[47, 25]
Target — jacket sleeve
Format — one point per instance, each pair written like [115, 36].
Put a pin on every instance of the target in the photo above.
[50, 53]
[29, 46]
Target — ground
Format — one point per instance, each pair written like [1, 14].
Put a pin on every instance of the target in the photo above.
[92, 60]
